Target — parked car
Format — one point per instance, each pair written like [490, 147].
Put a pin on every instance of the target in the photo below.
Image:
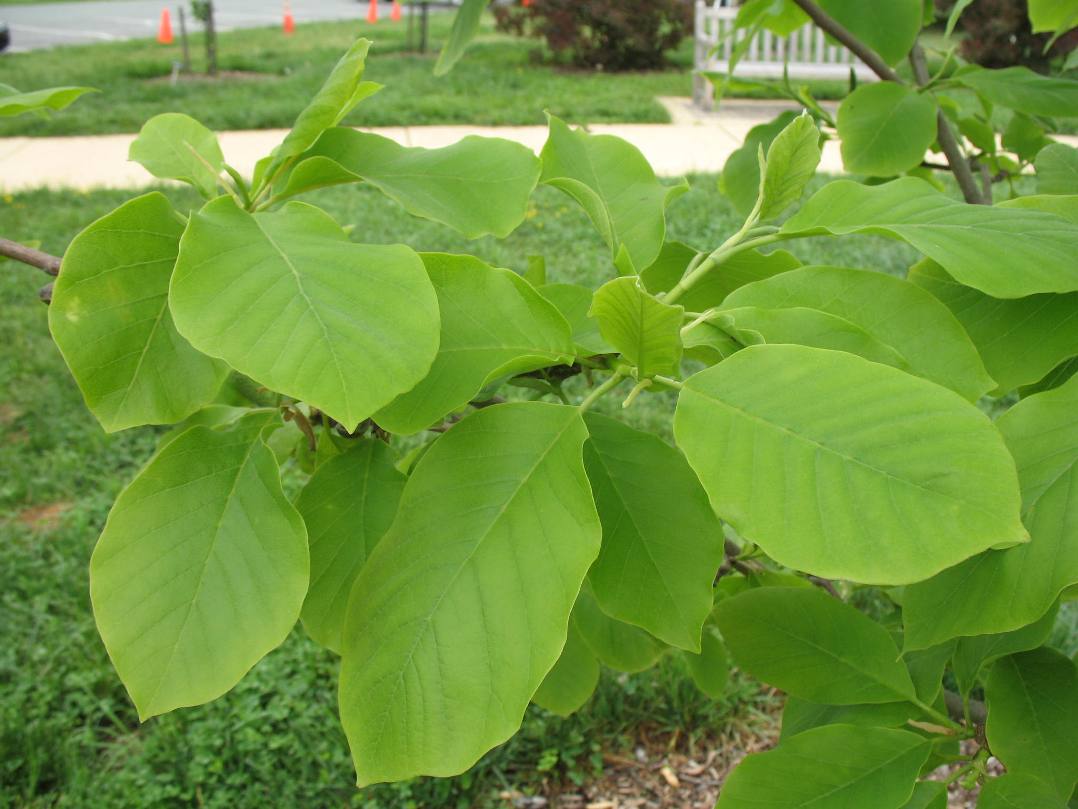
[5, 36]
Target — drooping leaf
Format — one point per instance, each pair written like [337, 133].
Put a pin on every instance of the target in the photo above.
[833, 766]
[1021, 89]
[662, 543]
[348, 505]
[574, 303]
[1003, 252]
[52, 98]
[619, 645]
[783, 435]
[1018, 791]
[1019, 339]
[1057, 169]
[813, 646]
[740, 179]
[974, 653]
[494, 323]
[1004, 590]
[465, 27]
[715, 286]
[792, 159]
[446, 642]
[110, 318]
[286, 299]
[572, 680]
[885, 128]
[1033, 717]
[477, 186]
[177, 147]
[800, 715]
[201, 569]
[710, 669]
[645, 330]
[890, 29]
[617, 188]
[899, 314]
[752, 325]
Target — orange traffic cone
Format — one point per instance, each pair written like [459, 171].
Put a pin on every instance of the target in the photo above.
[164, 33]
[372, 12]
[289, 20]
[395, 12]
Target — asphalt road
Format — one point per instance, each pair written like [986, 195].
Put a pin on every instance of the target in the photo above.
[50, 24]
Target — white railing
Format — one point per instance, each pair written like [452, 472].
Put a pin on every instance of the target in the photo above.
[806, 52]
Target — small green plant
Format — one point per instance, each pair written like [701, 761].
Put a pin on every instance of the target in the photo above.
[477, 531]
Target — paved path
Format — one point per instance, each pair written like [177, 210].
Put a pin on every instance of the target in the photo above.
[47, 25]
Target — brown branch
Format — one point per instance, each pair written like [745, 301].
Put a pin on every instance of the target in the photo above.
[833, 27]
[945, 135]
[28, 255]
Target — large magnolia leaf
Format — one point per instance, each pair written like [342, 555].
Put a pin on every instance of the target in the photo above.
[1004, 252]
[845, 468]
[885, 128]
[462, 609]
[791, 162]
[110, 318]
[974, 653]
[177, 147]
[899, 314]
[662, 543]
[493, 324]
[833, 767]
[620, 646]
[1033, 717]
[1019, 339]
[890, 28]
[645, 330]
[201, 569]
[348, 505]
[1057, 169]
[465, 27]
[572, 680]
[1004, 590]
[616, 187]
[285, 298]
[477, 186]
[800, 715]
[1021, 89]
[813, 646]
[1014, 791]
[13, 103]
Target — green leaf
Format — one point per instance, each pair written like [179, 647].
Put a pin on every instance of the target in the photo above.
[784, 435]
[477, 186]
[618, 645]
[899, 314]
[707, 343]
[662, 543]
[781, 17]
[572, 681]
[201, 569]
[172, 146]
[1019, 339]
[1003, 252]
[791, 163]
[348, 505]
[956, 12]
[646, 331]
[800, 715]
[839, 766]
[928, 795]
[52, 98]
[740, 179]
[751, 325]
[110, 318]
[574, 303]
[1004, 590]
[1024, 137]
[1057, 169]
[494, 324]
[813, 646]
[890, 28]
[1055, 16]
[465, 27]
[286, 299]
[973, 654]
[885, 128]
[1019, 88]
[1018, 791]
[617, 188]
[710, 669]
[1033, 717]
[446, 642]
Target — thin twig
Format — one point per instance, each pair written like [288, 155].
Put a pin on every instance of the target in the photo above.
[28, 255]
[838, 31]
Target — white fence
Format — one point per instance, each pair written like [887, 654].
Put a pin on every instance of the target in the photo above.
[807, 52]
